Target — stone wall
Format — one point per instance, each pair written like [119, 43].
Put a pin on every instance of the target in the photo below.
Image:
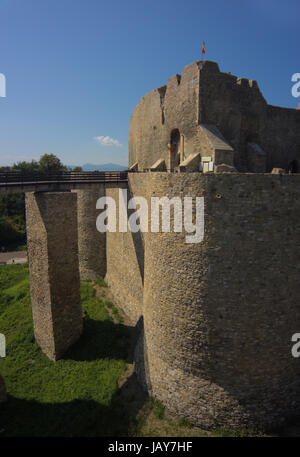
[91, 243]
[125, 256]
[163, 110]
[280, 136]
[238, 109]
[219, 315]
[204, 95]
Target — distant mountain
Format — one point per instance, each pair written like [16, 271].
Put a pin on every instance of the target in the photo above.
[103, 167]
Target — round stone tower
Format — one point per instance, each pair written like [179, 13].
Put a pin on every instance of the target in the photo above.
[219, 315]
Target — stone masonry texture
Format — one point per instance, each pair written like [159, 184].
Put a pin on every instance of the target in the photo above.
[125, 260]
[54, 273]
[91, 243]
[203, 95]
[216, 318]
[219, 315]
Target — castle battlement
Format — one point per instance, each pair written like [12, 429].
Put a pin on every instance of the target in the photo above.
[235, 107]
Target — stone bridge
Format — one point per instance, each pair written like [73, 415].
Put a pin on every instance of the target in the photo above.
[52, 237]
[15, 182]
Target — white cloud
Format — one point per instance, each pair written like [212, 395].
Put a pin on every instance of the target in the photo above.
[107, 141]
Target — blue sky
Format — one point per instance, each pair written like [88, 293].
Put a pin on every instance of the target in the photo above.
[75, 69]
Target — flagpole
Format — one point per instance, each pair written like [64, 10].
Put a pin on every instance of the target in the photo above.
[203, 49]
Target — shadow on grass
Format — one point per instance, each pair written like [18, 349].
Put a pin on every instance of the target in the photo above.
[76, 418]
[114, 414]
[83, 399]
[103, 339]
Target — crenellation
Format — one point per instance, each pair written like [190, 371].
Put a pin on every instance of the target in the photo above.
[235, 106]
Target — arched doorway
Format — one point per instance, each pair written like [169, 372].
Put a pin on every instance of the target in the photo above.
[175, 149]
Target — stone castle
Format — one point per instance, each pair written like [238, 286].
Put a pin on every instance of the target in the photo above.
[216, 318]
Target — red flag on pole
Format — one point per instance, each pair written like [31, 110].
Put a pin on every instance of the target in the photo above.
[203, 48]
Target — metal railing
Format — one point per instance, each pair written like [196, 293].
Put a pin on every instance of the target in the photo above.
[11, 178]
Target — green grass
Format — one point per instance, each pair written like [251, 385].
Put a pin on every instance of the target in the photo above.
[100, 282]
[158, 408]
[76, 396]
[10, 275]
[79, 394]
[182, 422]
[114, 311]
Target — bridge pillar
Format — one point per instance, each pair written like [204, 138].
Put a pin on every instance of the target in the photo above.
[91, 243]
[2, 390]
[52, 239]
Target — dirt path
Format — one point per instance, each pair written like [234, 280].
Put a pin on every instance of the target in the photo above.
[9, 256]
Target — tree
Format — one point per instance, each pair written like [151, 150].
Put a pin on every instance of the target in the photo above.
[12, 231]
[26, 167]
[4, 169]
[12, 206]
[49, 163]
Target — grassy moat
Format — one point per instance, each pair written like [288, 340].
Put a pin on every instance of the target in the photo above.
[92, 391]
